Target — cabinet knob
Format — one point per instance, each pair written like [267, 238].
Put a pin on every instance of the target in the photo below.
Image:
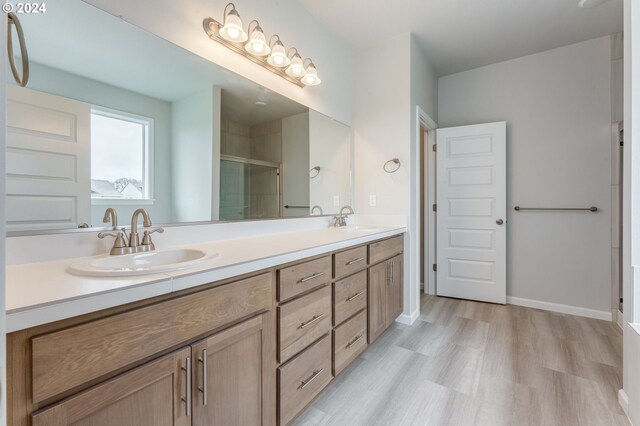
[499, 221]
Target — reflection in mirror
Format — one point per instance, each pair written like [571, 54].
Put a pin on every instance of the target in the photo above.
[116, 117]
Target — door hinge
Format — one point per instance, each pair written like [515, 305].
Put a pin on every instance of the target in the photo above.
[434, 147]
[434, 207]
[435, 267]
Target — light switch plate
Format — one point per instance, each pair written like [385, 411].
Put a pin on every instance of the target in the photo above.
[373, 200]
[336, 201]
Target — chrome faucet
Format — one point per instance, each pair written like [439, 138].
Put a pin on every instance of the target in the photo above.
[317, 207]
[122, 245]
[341, 218]
[110, 216]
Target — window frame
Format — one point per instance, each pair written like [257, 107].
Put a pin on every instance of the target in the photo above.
[148, 156]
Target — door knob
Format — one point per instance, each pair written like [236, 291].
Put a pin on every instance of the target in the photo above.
[499, 221]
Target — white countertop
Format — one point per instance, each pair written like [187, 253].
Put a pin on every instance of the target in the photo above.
[40, 293]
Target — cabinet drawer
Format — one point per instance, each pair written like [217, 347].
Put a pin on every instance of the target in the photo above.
[349, 340]
[77, 355]
[301, 379]
[302, 277]
[349, 261]
[302, 321]
[349, 296]
[385, 249]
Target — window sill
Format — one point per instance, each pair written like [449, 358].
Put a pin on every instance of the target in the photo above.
[116, 202]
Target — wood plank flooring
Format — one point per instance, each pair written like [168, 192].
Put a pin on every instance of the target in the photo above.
[470, 363]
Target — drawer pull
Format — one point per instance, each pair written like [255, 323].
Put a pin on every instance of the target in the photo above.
[350, 298]
[187, 399]
[314, 376]
[354, 261]
[354, 341]
[311, 277]
[311, 321]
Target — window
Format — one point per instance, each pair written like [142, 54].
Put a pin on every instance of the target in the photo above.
[121, 146]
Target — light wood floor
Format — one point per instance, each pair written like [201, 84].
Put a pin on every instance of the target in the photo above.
[470, 363]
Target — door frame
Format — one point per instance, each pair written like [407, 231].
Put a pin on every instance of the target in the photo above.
[422, 120]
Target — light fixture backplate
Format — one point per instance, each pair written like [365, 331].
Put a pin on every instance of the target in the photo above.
[212, 28]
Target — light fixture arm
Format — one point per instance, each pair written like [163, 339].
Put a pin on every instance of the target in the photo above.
[294, 51]
[256, 26]
[275, 39]
[226, 13]
[307, 62]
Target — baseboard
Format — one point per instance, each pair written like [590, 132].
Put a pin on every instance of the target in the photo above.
[619, 316]
[557, 307]
[623, 400]
[408, 319]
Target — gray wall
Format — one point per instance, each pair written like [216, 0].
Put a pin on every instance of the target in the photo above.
[558, 112]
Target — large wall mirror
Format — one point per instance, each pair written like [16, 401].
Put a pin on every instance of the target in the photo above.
[114, 116]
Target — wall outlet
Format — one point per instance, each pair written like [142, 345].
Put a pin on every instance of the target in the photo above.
[336, 201]
[373, 200]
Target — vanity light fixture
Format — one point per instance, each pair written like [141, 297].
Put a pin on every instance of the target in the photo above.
[257, 44]
[253, 45]
[310, 74]
[296, 67]
[232, 28]
[278, 57]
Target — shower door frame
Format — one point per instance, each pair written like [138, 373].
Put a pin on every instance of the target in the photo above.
[262, 163]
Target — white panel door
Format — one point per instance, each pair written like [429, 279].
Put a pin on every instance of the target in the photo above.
[48, 161]
[471, 213]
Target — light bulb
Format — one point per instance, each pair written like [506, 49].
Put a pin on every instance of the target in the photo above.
[278, 59]
[233, 33]
[257, 47]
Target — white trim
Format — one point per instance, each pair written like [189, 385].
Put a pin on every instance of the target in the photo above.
[408, 319]
[423, 121]
[619, 316]
[148, 166]
[557, 307]
[623, 400]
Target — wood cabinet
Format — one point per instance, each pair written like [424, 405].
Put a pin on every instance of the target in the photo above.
[385, 295]
[231, 376]
[154, 394]
[222, 380]
[250, 350]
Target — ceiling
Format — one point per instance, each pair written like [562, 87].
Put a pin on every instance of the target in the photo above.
[458, 35]
[80, 39]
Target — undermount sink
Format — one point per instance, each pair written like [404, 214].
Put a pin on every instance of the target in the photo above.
[361, 228]
[141, 263]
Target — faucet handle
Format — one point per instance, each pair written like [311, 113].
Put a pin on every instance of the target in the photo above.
[119, 246]
[146, 239]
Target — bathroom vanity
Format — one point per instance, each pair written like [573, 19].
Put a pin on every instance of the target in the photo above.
[256, 348]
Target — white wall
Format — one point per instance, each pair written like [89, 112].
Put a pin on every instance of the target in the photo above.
[329, 148]
[631, 209]
[195, 157]
[181, 23]
[61, 83]
[558, 112]
[387, 93]
[295, 163]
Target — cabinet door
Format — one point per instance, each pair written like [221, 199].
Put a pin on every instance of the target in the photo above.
[394, 289]
[154, 394]
[233, 376]
[377, 296]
